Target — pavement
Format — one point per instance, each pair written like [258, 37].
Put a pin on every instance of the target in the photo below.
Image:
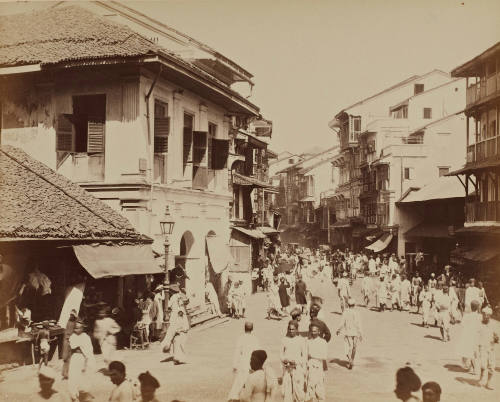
[392, 339]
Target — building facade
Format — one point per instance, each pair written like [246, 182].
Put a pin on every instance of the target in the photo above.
[140, 127]
[477, 251]
[390, 142]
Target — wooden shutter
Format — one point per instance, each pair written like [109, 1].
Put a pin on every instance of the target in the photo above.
[220, 152]
[161, 131]
[187, 142]
[95, 134]
[65, 134]
[200, 177]
[199, 148]
[210, 158]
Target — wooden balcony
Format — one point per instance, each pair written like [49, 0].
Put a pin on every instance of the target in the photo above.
[482, 211]
[484, 150]
[483, 90]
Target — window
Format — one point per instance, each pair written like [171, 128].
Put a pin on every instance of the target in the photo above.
[400, 113]
[83, 131]
[443, 170]
[200, 170]
[418, 88]
[236, 203]
[161, 131]
[290, 161]
[408, 173]
[187, 141]
[427, 113]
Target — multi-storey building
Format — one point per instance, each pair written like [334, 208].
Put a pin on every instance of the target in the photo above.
[383, 152]
[303, 185]
[478, 245]
[135, 112]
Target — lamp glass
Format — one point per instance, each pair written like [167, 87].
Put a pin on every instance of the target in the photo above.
[167, 227]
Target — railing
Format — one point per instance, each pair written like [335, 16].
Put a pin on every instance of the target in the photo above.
[482, 211]
[483, 150]
[482, 89]
[83, 167]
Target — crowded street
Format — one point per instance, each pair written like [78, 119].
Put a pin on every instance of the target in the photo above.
[391, 340]
[249, 201]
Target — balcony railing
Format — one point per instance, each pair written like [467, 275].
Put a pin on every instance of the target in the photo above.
[483, 89]
[483, 150]
[482, 211]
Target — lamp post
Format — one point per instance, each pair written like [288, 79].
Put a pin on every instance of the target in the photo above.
[167, 227]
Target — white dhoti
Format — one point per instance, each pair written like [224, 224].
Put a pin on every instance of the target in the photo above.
[293, 384]
[315, 381]
[179, 344]
[77, 378]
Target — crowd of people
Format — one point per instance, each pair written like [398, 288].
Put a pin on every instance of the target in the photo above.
[292, 283]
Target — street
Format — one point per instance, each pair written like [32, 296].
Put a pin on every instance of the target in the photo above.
[391, 339]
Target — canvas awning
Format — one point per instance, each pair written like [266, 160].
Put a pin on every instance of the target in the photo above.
[218, 253]
[307, 199]
[268, 230]
[433, 230]
[480, 253]
[101, 260]
[254, 233]
[380, 244]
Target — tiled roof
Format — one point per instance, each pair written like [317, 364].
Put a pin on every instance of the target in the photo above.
[67, 33]
[38, 203]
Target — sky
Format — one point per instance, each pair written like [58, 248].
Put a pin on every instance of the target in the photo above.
[312, 58]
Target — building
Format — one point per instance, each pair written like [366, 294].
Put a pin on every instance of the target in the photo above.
[254, 221]
[478, 253]
[389, 142]
[51, 228]
[136, 113]
[428, 219]
[302, 186]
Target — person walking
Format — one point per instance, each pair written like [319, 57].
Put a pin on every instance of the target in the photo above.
[344, 290]
[443, 306]
[81, 364]
[469, 341]
[426, 299]
[105, 330]
[66, 350]
[488, 338]
[283, 294]
[317, 351]
[301, 294]
[405, 293]
[293, 358]
[245, 345]
[350, 326]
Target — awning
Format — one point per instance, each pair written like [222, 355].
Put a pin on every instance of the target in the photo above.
[380, 244]
[473, 167]
[268, 230]
[102, 260]
[493, 230]
[307, 199]
[218, 253]
[433, 230]
[341, 224]
[241, 180]
[480, 253]
[254, 233]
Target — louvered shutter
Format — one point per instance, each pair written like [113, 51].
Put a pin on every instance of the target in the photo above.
[199, 148]
[200, 177]
[95, 134]
[220, 152]
[210, 158]
[161, 131]
[65, 134]
[187, 143]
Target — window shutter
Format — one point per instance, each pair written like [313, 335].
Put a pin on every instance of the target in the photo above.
[161, 131]
[187, 142]
[95, 137]
[200, 177]
[199, 148]
[65, 133]
[220, 152]
[210, 159]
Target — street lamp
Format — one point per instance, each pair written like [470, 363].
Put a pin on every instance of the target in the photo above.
[167, 227]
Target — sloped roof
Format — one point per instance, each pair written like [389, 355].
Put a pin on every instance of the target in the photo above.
[314, 160]
[67, 33]
[441, 188]
[38, 203]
